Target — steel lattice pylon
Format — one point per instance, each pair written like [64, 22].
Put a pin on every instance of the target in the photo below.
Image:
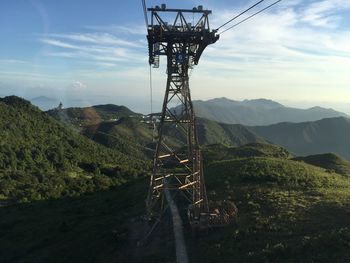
[177, 162]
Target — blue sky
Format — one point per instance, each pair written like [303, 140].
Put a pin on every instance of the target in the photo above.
[93, 51]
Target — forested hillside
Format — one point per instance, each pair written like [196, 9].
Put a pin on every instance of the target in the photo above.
[289, 211]
[41, 158]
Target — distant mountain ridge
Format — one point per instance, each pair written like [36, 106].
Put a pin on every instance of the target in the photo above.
[119, 128]
[44, 102]
[132, 135]
[265, 103]
[306, 138]
[43, 99]
[258, 112]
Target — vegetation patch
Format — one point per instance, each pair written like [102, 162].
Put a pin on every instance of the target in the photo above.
[41, 158]
[288, 211]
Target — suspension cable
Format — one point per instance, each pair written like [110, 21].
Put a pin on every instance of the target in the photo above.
[245, 11]
[249, 17]
[144, 7]
[152, 120]
[151, 88]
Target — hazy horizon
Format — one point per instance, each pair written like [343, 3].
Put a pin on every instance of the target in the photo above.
[138, 105]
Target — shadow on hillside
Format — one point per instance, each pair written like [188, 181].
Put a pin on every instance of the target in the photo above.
[97, 227]
[106, 226]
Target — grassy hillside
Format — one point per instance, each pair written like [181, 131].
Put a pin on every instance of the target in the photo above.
[211, 132]
[128, 135]
[40, 158]
[219, 152]
[307, 138]
[81, 117]
[289, 211]
[329, 161]
[133, 136]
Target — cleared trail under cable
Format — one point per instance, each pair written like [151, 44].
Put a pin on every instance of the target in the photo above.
[180, 245]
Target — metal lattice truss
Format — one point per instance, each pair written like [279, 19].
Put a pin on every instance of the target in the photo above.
[177, 161]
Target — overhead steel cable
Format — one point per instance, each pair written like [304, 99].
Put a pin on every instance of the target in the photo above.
[145, 12]
[249, 17]
[245, 11]
[152, 120]
[151, 92]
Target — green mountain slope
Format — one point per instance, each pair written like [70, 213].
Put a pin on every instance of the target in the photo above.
[328, 161]
[289, 211]
[40, 158]
[91, 115]
[133, 136]
[119, 128]
[258, 112]
[128, 135]
[218, 152]
[211, 132]
[307, 138]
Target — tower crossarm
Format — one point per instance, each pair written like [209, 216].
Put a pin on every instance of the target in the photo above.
[195, 36]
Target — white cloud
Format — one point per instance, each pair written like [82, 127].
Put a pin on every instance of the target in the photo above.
[133, 29]
[78, 86]
[277, 55]
[324, 13]
[101, 39]
[295, 50]
[12, 61]
[58, 43]
[87, 47]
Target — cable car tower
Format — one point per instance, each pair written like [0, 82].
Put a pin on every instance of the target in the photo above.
[177, 167]
[177, 163]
